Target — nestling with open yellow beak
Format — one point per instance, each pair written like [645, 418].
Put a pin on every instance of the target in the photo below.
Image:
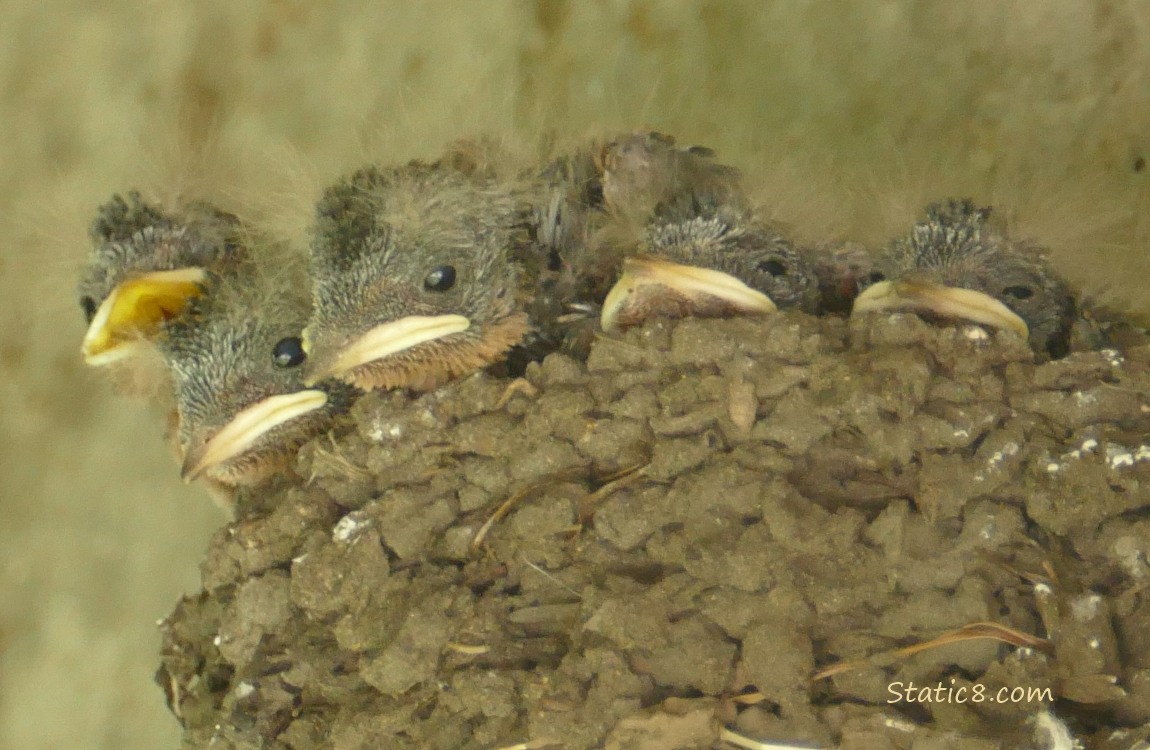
[956, 265]
[146, 264]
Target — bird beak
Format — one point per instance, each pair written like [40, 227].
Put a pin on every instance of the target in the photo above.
[137, 306]
[951, 302]
[246, 428]
[387, 339]
[640, 274]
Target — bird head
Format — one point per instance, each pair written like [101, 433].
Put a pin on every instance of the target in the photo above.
[145, 266]
[413, 278]
[237, 366]
[956, 265]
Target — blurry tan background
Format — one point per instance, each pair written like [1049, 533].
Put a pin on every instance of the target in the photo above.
[850, 113]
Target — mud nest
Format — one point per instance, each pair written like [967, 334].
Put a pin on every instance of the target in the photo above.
[711, 530]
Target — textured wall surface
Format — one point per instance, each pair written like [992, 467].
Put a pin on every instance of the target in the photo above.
[850, 113]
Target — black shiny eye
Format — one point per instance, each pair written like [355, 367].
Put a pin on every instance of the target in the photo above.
[1019, 292]
[440, 279]
[773, 267]
[289, 352]
[88, 305]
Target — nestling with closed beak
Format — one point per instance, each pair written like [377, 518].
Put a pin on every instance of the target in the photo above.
[700, 249]
[237, 366]
[418, 276]
[956, 265]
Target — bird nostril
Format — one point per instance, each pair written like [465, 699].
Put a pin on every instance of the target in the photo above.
[89, 306]
[773, 266]
[1019, 292]
[440, 279]
[289, 352]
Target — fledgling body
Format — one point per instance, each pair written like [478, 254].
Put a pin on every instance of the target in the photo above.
[146, 264]
[956, 265]
[685, 240]
[568, 211]
[236, 363]
[421, 274]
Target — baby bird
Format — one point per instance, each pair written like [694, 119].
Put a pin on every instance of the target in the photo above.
[146, 264]
[567, 210]
[237, 368]
[702, 251]
[419, 276]
[956, 265]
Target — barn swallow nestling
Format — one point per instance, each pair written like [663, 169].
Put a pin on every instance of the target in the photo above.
[237, 367]
[702, 251]
[567, 210]
[956, 265]
[417, 276]
[146, 264]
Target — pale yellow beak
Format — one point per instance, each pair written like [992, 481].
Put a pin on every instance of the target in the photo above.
[691, 282]
[950, 302]
[134, 309]
[387, 339]
[246, 428]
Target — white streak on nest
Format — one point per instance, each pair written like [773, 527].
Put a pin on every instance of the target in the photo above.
[1085, 607]
[1053, 467]
[381, 430]
[1088, 445]
[997, 457]
[1043, 589]
[1128, 549]
[899, 724]
[1119, 455]
[1051, 734]
[348, 526]
[962, 433]
[1084, 398]
[975, 333]
[1113, 357]
[244, 689]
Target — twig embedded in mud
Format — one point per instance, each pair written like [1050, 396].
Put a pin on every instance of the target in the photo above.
[749, 699]
[467, 650]
[971, 632]
[549, 576]
[726, 735]
[517, 497]
[1047, 576]
[611, 482]
[519, 385]
[325, 458]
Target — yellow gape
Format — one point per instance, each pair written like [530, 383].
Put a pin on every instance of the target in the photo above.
[134, 309]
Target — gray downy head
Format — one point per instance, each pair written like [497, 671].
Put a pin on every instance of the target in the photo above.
[956, 265]
[237, 366]
[414, 280]
[146, 263]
